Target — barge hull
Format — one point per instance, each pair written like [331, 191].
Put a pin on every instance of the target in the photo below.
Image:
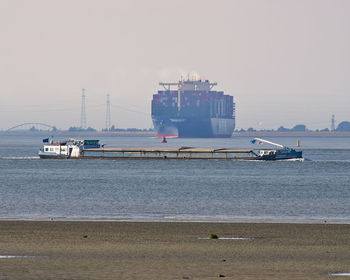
[170, 153]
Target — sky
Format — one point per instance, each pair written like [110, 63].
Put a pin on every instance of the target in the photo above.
[286, 62]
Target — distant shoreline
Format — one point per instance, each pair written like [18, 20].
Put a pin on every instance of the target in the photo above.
[152, 133]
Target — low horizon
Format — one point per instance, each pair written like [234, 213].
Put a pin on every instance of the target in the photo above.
[343, 126]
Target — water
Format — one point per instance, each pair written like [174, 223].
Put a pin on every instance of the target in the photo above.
[316, 190]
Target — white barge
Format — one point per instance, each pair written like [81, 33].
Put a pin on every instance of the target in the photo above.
[71, 148]
[91, 149]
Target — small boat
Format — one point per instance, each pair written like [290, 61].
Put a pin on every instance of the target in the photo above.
[283, 153]
[91, 149]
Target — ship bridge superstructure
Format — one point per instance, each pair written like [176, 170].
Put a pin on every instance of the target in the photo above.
[189, 85]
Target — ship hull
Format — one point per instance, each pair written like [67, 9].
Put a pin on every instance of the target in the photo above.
[194, 127]
[283, 154]
[52, 155]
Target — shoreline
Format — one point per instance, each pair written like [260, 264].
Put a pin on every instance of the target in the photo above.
[185, 219]
[148, 250]
[153, 134]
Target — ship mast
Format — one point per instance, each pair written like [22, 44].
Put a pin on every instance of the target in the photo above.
[167, 86]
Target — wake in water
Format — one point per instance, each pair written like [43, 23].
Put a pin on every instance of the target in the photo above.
[36, 157]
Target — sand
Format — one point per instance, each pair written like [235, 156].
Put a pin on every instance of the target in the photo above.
[137, 250]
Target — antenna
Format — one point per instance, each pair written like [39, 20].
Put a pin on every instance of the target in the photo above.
[108, 114]
[333, 123]
[83, 112]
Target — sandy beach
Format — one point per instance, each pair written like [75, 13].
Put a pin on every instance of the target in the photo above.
[146, 250]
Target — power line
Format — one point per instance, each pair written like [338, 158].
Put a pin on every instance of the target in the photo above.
[108, 114]
[133, 111]
[333, 123]
[83, 112]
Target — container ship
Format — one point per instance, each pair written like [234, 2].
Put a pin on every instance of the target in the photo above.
[191, 108]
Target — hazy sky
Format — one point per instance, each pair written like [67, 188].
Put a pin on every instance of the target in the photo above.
[286, 62]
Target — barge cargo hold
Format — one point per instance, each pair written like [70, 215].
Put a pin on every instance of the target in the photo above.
[91, 149]
[168, 153]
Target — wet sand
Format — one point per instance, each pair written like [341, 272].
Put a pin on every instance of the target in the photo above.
[136, 250]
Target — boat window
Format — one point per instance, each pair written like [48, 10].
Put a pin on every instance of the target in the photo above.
[91, 142]
[46, 149]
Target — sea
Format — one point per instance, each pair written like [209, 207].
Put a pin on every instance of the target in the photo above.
[316, 190]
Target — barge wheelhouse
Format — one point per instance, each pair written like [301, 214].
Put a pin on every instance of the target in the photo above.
[71, 148]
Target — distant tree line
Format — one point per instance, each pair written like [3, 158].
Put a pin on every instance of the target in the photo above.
[35, 129]
[113, 128]
[342, 127]
[132, 129]
[76, 128]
